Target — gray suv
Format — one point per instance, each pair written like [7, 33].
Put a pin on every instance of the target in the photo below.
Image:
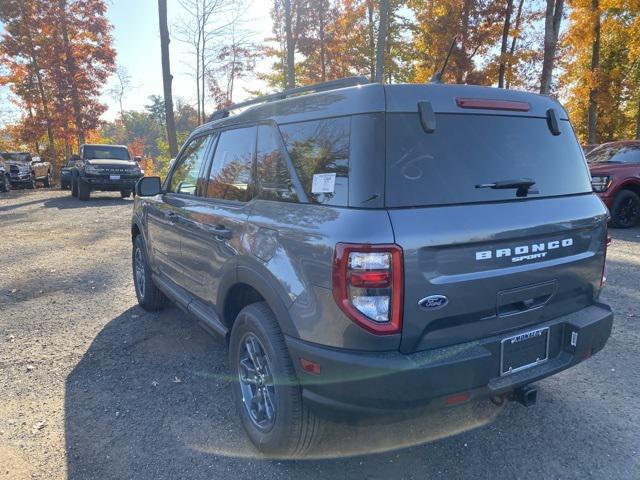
[369, 248]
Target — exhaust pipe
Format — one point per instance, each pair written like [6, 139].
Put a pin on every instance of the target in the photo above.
[526, 395]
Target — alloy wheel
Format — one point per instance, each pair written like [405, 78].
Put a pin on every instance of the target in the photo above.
[256, 383]
[628, 213]
[139, 272]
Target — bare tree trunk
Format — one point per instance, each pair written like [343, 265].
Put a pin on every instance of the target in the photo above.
[464, 37]
[72, 71]
[203, 28]
[36, 71]
[503, 46]
[552, 19]
[382, 39]
[595, 64]
[372, 42]
[167, 78]
[288, 26]
[198, 80]
[514, 40]
[323, 62]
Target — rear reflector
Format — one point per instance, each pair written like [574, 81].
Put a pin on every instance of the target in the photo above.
[309, 366]
[371, 279]
[486, 104]
[457, 398]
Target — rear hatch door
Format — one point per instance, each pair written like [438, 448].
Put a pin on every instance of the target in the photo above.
[481, 261]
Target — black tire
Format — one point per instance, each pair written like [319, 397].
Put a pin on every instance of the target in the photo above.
[149, 296]
[5, 186]
[626, 210]
[125, 193]
[74, 186]
[84, 190]
[47, 180]
[294, 428]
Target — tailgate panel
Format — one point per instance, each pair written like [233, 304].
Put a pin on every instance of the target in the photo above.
[502, 266]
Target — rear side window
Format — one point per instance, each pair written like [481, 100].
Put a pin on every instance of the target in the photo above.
[274, 180]
[230, 172]
[321, 147]
[444, 167]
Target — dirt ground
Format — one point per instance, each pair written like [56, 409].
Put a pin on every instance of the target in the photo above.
[92, 387]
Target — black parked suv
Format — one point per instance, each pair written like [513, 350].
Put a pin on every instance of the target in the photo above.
[368, 248]
[107, 168]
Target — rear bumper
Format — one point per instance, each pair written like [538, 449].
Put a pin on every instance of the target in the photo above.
[388, 381]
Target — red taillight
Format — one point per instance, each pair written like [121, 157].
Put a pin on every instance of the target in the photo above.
[370, 279]
[367, 285]
[487, 104]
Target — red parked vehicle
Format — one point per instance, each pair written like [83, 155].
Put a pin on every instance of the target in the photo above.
[615, 177]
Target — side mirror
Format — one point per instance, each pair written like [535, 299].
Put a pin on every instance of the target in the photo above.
[137, 158]
[148, 187]
[75, 157]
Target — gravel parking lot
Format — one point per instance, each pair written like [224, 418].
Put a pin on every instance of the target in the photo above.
[93, 387]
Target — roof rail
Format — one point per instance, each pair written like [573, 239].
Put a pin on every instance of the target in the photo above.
[316, 87]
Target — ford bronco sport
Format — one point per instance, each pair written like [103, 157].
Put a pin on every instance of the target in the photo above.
[107, 168]
[372, 248]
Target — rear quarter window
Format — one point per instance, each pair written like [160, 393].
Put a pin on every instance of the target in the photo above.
[319, 147]
[466, 150]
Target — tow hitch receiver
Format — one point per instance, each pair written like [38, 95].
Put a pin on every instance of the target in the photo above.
[527, 395]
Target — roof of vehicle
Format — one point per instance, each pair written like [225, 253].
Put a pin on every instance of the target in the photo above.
[619, 143]
[102, 145]
[375, 97]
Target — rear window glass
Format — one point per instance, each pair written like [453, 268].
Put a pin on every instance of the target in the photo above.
[444, 167]
[274, 180]
[321, 147]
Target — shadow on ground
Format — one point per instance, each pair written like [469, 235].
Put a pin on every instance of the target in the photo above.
[63, 203]
[151, 399]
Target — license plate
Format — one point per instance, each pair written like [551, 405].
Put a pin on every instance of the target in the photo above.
[114, 177]
[524, 350]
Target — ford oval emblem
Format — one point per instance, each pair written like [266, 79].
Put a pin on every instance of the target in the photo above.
[433, 302]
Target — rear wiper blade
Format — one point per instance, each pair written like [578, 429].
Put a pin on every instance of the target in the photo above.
[521, 184]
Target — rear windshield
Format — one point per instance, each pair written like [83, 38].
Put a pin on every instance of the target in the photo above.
[464, 151]
[106, 152]
[626, 153]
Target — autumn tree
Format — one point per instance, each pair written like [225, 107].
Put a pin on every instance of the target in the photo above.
[477, 24]
[552, 19]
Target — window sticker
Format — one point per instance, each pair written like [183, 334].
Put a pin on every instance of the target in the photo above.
[323, 183]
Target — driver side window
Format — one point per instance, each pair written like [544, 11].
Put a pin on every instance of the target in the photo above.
[184, 179]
